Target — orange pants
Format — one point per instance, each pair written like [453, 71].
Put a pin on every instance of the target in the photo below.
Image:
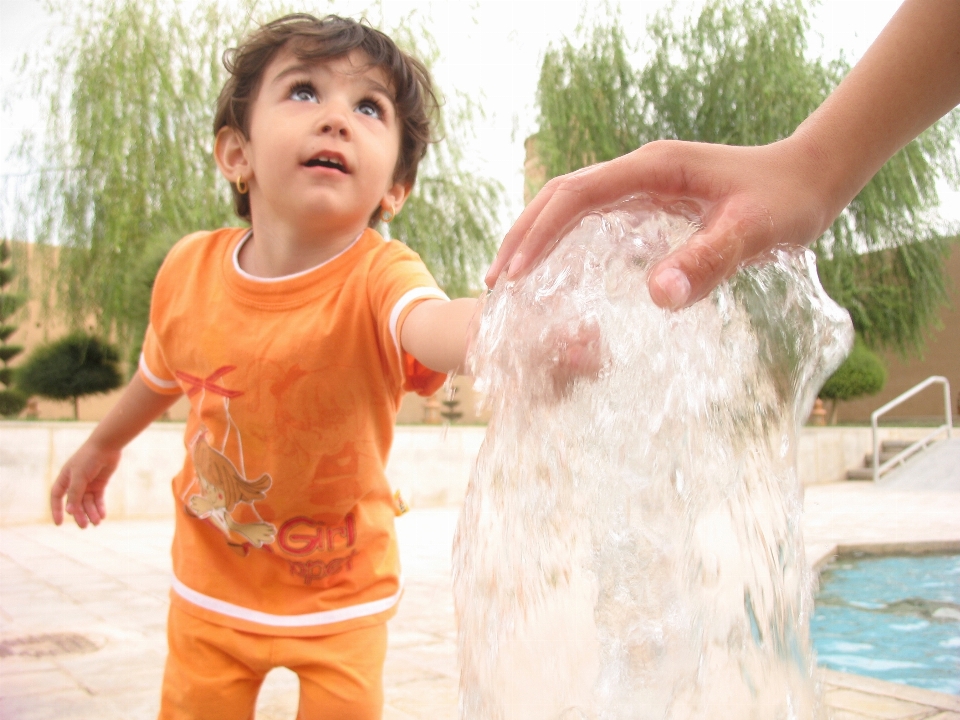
[215, 673]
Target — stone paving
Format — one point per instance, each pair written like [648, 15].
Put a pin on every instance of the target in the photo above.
[82, 613]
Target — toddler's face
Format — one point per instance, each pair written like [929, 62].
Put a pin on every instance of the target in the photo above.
[323, 144]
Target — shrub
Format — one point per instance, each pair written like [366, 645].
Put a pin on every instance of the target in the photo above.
[862, 373]
[70, 368]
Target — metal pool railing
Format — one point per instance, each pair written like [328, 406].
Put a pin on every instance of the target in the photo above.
[901, 456]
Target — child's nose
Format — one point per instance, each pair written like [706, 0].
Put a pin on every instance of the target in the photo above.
[335, 122]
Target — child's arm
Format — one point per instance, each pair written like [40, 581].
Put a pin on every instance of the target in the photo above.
[84, 476]
[437, 332]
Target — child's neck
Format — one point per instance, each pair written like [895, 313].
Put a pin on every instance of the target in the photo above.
[278, 249]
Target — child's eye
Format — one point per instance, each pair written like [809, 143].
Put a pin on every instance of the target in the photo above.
[370, 108]
[303, 92]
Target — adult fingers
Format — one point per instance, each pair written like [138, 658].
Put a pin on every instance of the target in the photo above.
[561, 203]
[665, 169]
[574, 195]
[711, 256]
[516, 234]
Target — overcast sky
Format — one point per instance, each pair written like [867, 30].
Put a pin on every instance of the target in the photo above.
[491, 50]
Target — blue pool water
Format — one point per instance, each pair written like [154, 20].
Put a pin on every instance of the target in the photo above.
[894, 618]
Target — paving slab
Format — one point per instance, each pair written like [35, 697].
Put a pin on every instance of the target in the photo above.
[110, 584]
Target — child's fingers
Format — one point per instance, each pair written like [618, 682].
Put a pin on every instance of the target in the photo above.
[93, 507]
[57, 492]
[75, 495]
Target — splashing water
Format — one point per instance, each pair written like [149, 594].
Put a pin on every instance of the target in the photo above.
[630, 542]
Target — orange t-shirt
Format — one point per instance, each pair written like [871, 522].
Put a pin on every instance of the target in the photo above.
[284, 519]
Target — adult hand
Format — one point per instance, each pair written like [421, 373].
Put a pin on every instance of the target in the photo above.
[750, 204]
[787, 193]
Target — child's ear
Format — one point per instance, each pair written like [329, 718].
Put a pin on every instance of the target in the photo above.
[395, 197]
[230, 152]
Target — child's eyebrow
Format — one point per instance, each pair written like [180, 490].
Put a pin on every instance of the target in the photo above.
[298, 69]
[305, 68]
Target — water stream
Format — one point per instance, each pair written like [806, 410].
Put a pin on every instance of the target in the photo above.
[630, 545]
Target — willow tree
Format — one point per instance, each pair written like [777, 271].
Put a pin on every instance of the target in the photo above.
[450, 218]
[127, 148]
[128, 164]
[741, 73]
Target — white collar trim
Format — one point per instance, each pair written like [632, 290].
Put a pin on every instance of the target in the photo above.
[247, 276]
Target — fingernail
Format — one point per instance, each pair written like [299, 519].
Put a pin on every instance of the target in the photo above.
[514, 267]
[675, 285]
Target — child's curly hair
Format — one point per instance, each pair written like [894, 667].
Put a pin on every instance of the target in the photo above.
[310, 38]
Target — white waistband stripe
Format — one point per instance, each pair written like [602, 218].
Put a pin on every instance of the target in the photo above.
[326, 617]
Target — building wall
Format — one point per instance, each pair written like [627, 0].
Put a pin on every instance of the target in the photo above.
[941, 357]
[430, 466]
[38, 322]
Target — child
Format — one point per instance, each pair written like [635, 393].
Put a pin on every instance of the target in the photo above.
[294, 341]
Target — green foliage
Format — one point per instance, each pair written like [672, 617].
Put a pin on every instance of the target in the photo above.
[892, 295]
[12, 401]
[128, 98]
[862, 373]
[139, 286]
[71, 367]
[450, 218]
[9, 304]
[740, 73]
[9, 352]
[127, 150]
[590, 107]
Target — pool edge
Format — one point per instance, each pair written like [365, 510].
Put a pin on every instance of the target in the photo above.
[823, 555]
[897, 691]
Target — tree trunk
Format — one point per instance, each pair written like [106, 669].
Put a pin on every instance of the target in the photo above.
[76, 407]
[834, 412]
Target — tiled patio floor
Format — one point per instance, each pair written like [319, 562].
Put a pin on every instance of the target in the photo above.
[109, 586]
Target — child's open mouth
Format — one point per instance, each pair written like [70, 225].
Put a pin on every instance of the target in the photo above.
[327, 161]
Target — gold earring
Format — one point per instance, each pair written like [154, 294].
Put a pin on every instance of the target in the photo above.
[387, 215]
[241, 185]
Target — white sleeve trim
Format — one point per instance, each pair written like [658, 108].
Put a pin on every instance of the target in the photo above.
[325, 617]
[407, 298]
[159, 382]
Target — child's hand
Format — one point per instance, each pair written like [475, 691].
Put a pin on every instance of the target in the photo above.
[578, 356]
[83, 480]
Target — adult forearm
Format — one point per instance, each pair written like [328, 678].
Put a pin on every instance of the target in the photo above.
[906, 81]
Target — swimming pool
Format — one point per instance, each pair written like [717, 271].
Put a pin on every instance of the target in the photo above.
[894, 618]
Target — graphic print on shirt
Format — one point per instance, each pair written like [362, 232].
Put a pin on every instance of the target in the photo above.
[223, 487]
